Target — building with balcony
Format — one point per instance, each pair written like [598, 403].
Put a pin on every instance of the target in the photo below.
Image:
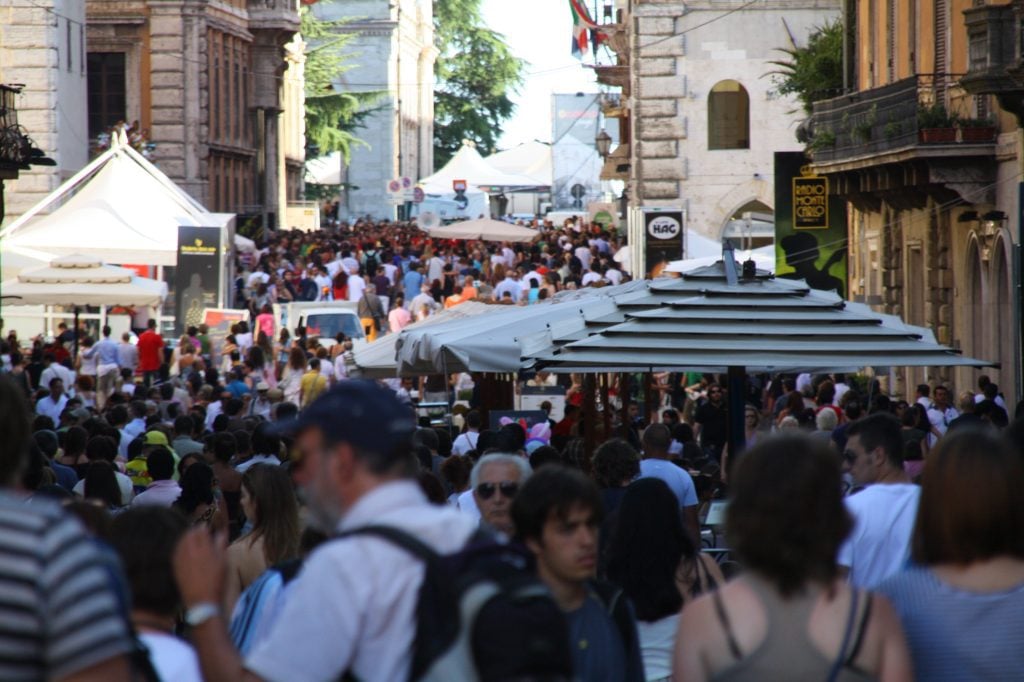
[392, 53]
[925, 152]
[704, 116]
[208, 82]
[42, 48]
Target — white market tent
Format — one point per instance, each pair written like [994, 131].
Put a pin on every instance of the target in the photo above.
[119, 208]
[324, 170]
[530, 159]
[484, 229]
[468, 165]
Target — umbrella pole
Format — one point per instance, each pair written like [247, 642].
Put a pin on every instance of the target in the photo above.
[736, 381]
[75, 337]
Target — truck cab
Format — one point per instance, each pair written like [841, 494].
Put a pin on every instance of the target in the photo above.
[323, 320]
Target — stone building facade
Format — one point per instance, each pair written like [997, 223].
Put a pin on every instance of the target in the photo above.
[42, 46]
[925, 151]
[392, 53]
[206, 80]
[704, 115]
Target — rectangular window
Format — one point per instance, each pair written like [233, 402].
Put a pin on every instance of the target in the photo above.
[106, 90]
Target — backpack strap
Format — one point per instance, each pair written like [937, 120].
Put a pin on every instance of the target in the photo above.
[614, 600]
[396, 537]
[841, 658]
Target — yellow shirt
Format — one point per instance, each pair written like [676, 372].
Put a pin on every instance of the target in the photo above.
[313, 384]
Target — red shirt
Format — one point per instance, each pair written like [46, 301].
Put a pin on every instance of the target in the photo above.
[150, 348]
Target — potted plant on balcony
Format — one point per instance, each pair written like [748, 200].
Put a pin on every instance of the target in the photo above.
[935, 125]
[977, 130]
[823, 139]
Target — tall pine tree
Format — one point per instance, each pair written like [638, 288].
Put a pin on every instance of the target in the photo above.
[475, 74]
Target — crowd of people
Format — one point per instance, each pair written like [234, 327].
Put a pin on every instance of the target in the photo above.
[261, 515]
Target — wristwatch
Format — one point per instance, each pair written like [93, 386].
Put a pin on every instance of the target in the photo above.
[199, 613]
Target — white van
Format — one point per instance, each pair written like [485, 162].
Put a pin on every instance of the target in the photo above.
[322, 319]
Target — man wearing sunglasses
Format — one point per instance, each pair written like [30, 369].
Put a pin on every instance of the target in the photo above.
[495, 480]
[885, 509]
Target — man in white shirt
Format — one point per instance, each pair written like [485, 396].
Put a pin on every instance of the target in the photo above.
[356, 287]
[127, 353]
[885, 510]
[940, 414]
[467, 441]
[435, 269]
[266, 445]
[55, 370]
[423, 299]
[509, 285]
[53, 404]
[583, 253]
[613, 275]
[352, 608]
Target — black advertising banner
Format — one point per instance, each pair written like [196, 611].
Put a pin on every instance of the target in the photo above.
[663, 235]
[197, 274]
[810, 226]
[810, 203]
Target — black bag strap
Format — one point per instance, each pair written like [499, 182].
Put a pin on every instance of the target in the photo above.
[396, 537]
[840, 659]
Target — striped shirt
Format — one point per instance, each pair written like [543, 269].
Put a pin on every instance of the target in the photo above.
[958, 635]
[59, 612]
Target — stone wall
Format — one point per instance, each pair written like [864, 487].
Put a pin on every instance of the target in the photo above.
[35, 51]
[678, 61]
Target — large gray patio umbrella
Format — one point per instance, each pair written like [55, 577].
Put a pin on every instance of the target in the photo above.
[726, 321]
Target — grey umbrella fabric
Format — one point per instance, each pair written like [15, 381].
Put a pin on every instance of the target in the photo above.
[702, 322]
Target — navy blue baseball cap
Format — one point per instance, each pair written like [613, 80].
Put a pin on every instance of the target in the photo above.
[362, 413]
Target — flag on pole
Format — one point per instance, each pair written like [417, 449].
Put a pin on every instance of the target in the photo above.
[584, 30]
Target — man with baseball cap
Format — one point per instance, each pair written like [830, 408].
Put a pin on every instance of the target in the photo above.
[352, 608]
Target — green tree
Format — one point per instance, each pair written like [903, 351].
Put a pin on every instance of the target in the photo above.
[475, 74]
[814, 72]
[332, 116]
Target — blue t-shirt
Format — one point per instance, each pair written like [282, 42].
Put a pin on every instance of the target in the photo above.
[598, 653]
[958, 635]
[411, 283]
[678, 480]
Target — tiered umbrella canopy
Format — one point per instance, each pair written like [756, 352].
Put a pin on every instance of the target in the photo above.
[757, 322]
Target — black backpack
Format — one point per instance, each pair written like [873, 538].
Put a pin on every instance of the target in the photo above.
[482, 614]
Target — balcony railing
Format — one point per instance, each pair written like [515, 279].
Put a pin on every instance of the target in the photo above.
[884, 119]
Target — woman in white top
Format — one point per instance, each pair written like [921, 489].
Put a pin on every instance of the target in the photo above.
[291, 376]
[658, 565]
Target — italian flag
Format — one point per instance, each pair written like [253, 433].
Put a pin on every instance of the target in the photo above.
[582, 25]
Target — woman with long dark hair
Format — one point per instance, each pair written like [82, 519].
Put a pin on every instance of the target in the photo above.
[789, 615]
[101, 485]
[657, 564]
[268, 500]
[198, 500]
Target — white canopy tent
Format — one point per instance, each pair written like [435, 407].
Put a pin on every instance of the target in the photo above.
[120, 208]
[324, 170]
[530, 159]
[468, 165]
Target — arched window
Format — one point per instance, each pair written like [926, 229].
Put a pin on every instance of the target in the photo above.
[728, 116]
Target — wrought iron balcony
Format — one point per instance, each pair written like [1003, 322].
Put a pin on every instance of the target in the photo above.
[995, 35]
[17, 151]
[927, 113]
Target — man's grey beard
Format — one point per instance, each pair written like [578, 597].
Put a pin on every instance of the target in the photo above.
[319, 516]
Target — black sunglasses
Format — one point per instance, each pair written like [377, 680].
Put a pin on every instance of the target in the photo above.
[486, 490]
[850, 456]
